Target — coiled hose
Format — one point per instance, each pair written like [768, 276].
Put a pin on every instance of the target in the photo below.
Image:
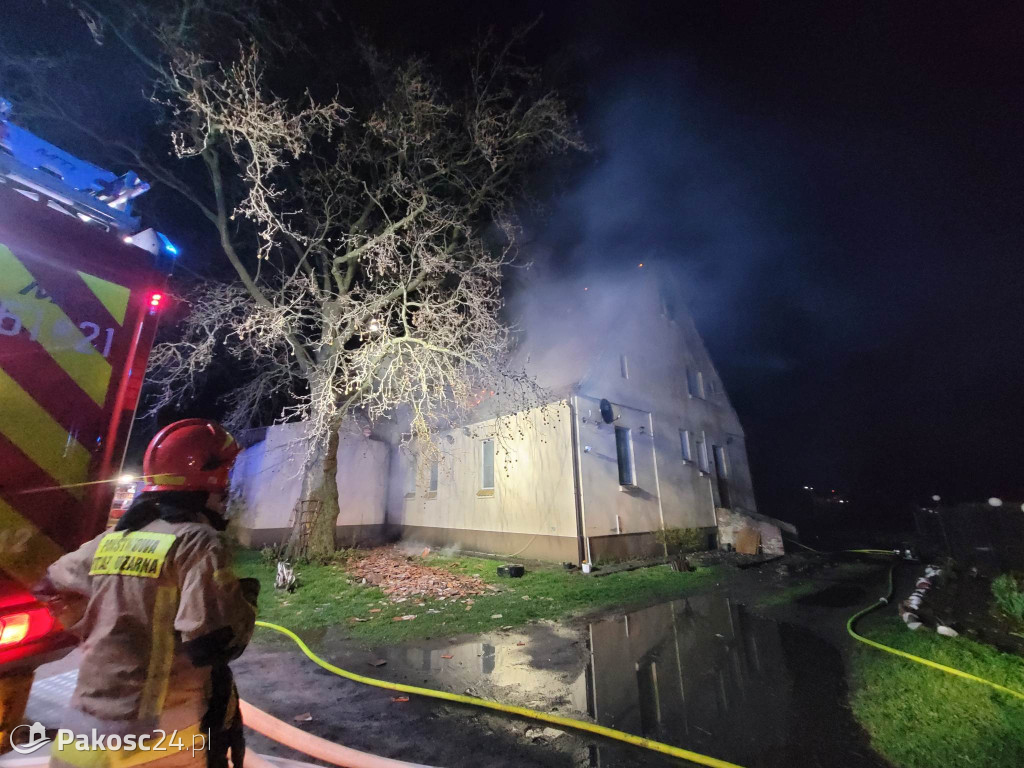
[533, 714]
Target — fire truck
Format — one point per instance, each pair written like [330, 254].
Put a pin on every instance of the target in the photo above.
[81, 286]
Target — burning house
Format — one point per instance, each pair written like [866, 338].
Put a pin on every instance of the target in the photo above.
[629, 433]
[635, 435]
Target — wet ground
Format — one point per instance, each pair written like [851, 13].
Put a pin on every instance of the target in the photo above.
[717, 672]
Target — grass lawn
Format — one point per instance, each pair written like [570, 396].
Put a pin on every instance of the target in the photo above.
[919, 717]
[325, 598]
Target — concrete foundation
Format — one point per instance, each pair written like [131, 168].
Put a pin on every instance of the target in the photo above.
[344, 536]
[527, 546]
[625, 546]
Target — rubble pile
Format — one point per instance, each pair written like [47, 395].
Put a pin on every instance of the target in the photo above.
[399, 577]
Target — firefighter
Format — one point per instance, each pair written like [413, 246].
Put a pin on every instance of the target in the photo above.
[160, 613]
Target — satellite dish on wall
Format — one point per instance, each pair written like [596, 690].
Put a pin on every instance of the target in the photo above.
[606, 412]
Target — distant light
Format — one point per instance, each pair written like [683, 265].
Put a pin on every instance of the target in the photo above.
[586, 289]
[995, 502]
[126, 479]
[936, 497]
[640, 264]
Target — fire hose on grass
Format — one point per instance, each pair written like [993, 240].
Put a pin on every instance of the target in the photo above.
[910, 622]
[926, 662]
[344, 756]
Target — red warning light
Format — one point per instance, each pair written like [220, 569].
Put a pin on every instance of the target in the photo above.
[154, 302]
[24, 625]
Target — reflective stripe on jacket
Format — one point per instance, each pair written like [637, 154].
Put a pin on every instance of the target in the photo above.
[162, 605]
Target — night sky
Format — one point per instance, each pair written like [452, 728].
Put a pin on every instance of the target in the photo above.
[841, 188]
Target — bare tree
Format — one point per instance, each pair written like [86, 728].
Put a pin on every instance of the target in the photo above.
[368, 239]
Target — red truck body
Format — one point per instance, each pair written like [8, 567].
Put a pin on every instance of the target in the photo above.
[77, 321]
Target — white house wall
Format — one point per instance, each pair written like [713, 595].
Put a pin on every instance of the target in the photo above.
[267, 483]
[611, 509]
[529, 513]
[640, 366]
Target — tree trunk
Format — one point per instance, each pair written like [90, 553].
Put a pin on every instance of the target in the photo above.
[312, 535]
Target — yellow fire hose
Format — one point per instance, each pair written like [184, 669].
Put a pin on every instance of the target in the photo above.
[565, 722]
[927, 662]
[612, 733]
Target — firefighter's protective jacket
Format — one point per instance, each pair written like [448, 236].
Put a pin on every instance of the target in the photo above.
[159, 608]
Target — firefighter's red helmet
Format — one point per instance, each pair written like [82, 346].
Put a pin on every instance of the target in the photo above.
[190, 455]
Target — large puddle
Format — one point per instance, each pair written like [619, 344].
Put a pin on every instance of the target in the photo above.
[702, 673]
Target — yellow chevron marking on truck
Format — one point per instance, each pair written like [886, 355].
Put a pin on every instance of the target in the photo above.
[36, 434]
[25, 551]
[47, 323]
[113, 296]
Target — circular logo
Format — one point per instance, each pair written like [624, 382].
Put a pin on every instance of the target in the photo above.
[36, 738]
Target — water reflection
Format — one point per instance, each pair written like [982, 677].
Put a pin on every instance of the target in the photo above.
[695, 672]
[703, 673]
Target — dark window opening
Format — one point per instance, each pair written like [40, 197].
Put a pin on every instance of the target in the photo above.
[722, 472]
[624, 453]
[702, 455]
[694, 383]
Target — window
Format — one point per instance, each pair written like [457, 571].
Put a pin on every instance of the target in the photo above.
[684, 443]
[702, 454]
[410, 476]
[721, 465]
[624, 366]
[487, 465]
[668, 306]
[433, 477]
[722, 471]
[694, 383]
[624, 453]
